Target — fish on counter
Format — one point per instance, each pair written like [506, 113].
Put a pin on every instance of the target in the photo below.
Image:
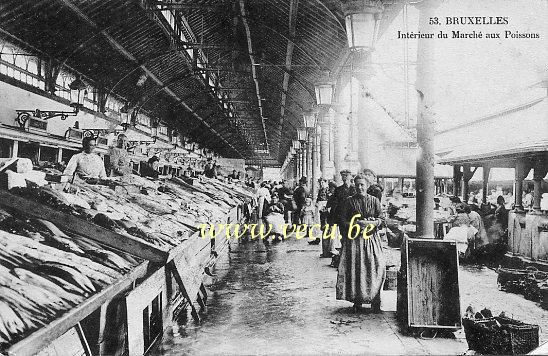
[10, 324]
[40, 281]
[45, 271]
[175, 208]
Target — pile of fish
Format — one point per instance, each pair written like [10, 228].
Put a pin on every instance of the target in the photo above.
[162, 213]
[44, 273]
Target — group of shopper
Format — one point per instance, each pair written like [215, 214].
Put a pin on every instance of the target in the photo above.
[360, 261]
[362, 267]
[469, 231]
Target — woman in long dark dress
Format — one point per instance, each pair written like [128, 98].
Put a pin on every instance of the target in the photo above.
[362, 267]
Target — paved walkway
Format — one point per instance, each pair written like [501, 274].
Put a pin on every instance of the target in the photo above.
[281, 300]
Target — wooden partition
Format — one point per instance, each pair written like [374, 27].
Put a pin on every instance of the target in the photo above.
[519, 238]
[528, 237]
[538, 228]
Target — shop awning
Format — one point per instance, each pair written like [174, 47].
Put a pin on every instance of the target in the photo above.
[501, 137]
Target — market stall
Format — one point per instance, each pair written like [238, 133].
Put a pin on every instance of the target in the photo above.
[74, 249]
[526, 152]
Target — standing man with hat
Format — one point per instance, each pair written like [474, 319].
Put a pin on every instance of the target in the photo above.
[299, 197]
[336, 203]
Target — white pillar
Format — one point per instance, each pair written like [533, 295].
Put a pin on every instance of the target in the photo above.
[353, 138]
[337, 159]
[362, 124]
[299, 164]
[315, 163]
[331, 136]
[364, 127]
[324, 143]
[303, 165]
[309, 148]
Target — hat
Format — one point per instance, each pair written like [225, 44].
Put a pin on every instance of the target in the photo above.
[368, 171]
[303, 179]
[462, 208]
[346, 171]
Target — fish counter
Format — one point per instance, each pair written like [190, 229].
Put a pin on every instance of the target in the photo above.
[72, 253]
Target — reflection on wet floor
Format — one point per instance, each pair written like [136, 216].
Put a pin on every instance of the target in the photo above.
[280, 299]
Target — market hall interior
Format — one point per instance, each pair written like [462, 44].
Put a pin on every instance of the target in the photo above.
[136, 136]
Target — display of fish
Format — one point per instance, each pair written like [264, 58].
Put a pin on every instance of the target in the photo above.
[85, 243]
[11, 261]
[29, 311]
[48, 285]
[37, 284]
[44, 271]
[52, 228]
[10, 323]
[99, 274]
[151, 205]
[26, 252]
[67, 286]
[109, 259]
[32, 292]
[63, 244]
[69, 274]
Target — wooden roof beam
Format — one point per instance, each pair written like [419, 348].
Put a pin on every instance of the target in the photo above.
[293, 7]
[168, 5]
[132, 58]
[253, 69]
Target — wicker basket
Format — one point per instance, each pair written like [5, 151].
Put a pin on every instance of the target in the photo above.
[513, 280]
[500, 336]
[533, 284]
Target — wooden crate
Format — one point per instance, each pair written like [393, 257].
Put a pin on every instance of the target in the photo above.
[429, 295]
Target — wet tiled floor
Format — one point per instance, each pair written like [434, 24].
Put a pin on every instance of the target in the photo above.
[280, 299]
